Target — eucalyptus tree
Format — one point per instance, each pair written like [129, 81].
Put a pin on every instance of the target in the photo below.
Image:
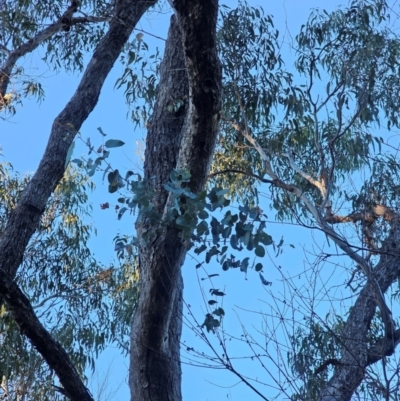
[304, 141]
[327, 130]
[68, 289]
[204, 113]
[155, 334]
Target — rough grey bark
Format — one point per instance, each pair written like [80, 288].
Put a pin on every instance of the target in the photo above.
[155, 362]
[165, 132]
[25, 217]
[357, 351]
[155, 373]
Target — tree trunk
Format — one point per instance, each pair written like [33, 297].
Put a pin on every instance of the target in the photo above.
[357, 351]
[25, 218]
[184, 138]
[155, 364]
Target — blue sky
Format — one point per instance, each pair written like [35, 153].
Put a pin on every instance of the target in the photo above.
[23, 140]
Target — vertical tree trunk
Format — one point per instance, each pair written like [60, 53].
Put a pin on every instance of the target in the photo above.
[184, 138]
[25, 218]
[155, 364]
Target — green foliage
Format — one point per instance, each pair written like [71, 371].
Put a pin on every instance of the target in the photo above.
[213, 233]
[315, 348]
[22, 20]
[82, 303]
[114, 143]
[251, 62]
[253, 79]
[355, 45]
[197, 216]
[139, 78]
[317, 125]
[350, 62]
[211, 323]
[347, 71]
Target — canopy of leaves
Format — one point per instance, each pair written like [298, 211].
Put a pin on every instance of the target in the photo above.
[22, 20]
[320, 120]
[65, 31]
[316, 129]
[83, 304]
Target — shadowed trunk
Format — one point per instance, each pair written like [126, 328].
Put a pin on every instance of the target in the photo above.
[358, 352]
[157, 326]
[181, 137]
[25, 218]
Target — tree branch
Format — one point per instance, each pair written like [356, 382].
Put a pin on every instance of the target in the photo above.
[306, 176]
[356, 355]
[383, 211]
[88, 19]
[330, 232]
[256, 146]
[248, 173]
[383, 347]
[50, 349]
[24, 219]
[64, 21]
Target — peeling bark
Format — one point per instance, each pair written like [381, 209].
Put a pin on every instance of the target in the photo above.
[155, 372]
[25, 218]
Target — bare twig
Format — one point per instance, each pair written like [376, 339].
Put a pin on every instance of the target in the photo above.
[237, 171]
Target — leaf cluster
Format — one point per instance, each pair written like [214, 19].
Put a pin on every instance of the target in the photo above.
[313, 345]
[73, 294]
